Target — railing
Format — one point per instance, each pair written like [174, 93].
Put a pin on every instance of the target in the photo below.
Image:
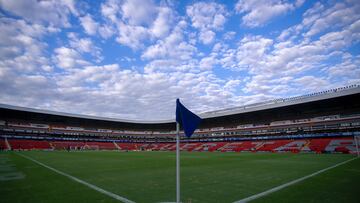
[281, 100]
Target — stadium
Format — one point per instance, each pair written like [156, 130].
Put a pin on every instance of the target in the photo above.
[164, 101]
[285, 150]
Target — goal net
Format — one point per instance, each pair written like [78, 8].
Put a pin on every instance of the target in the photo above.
[91, 147]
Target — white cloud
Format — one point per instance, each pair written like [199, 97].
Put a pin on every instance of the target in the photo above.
[113, 87]
[229, 35]
[136, 24]
[348, 70]
[94, 27]
[292, 58]
[131, 35]
[277, 67]
[332, 18]
[21, 46]
[106, 31]
[138, 12]
[232, 84]
[299, 3]
[109, 86]
[53, 12]
[85, 45]
[207, 63]
[207, 18]
[311, 83]
[110, 9]
[207, 15]
[23, 61]
[207, 37]
[89, 25]
[259, 12]
[322, 19]
[172, 47]
[258, 84]
[252, 50]
[26, 87]
[162, 24]
[68, 58]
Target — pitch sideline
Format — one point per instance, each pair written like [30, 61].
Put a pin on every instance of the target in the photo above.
[94, 187]
[256, 196]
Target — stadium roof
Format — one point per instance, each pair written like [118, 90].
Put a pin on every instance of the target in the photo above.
[51, 116]
[333, 93]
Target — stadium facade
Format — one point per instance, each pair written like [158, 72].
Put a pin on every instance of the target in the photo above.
[322, 122]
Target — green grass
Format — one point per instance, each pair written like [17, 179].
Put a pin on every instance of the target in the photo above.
[150, 177]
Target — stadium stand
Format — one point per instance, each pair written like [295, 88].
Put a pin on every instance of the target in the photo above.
[3, 145]
[270, 146]
[76, 145]
[324, 122]
[67, 145]
[103, 145]
[128, 146]
[28, 144]
[316, 145]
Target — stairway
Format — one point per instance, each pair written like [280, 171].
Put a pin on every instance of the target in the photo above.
[7, 144]
[258, 146]
[305, 147]
[117, 146]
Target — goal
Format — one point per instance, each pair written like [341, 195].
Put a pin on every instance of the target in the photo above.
[91, 147]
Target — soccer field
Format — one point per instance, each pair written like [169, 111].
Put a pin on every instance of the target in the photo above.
[150, 176]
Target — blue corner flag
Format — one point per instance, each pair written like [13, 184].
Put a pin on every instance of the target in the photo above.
[187, 119]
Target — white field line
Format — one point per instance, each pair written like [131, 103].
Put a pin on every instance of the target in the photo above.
[256, 196]
[110, 194]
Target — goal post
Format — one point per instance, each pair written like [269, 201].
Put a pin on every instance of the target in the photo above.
[91, 147]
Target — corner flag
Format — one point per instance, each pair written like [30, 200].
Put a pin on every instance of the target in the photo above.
[187, 119]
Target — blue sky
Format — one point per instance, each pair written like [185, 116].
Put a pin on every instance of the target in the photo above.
[132, 59]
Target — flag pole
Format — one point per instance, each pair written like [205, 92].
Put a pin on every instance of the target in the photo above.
[189, 122]
[177, 162]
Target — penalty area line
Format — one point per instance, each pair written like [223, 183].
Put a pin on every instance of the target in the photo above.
[267, 192]
[94, 187]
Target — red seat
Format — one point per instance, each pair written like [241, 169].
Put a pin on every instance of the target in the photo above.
[28, 144]
[318, 145]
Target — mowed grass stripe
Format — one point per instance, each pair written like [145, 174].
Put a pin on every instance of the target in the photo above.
[338, 185]
[280, 187]
[110, 194]
[138, 176]
[206, 177]
[41, 185]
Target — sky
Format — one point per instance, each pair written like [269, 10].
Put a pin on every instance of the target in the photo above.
[132, 59]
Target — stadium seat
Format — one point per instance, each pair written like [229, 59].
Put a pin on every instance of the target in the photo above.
[17, 144]
[316, 145]
[3, 144]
